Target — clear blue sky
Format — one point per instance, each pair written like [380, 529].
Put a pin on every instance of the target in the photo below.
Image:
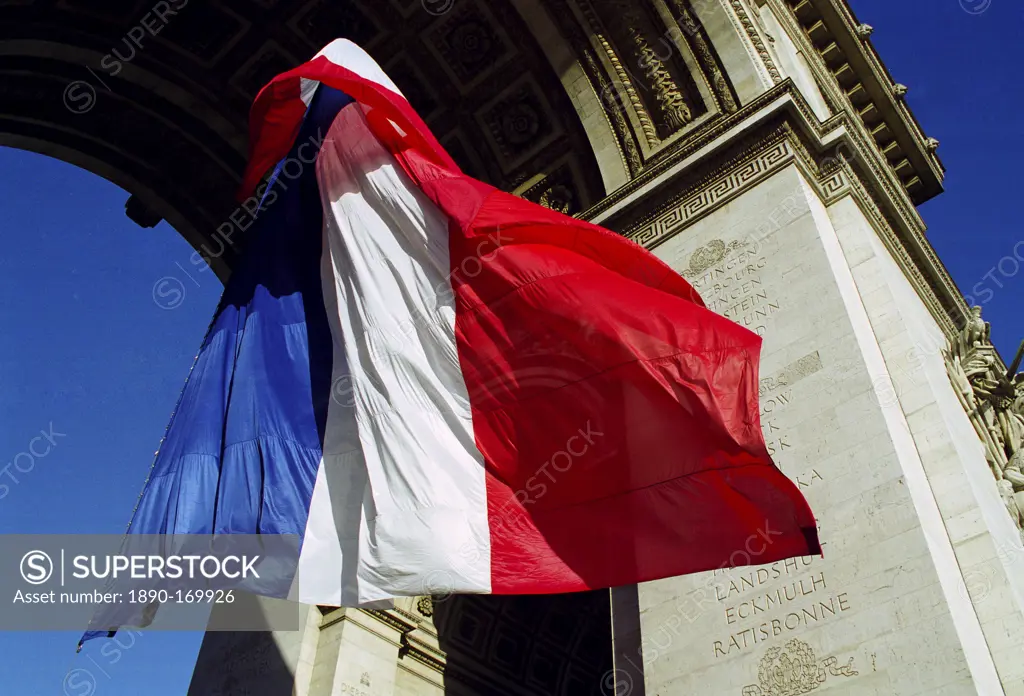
[85, 347]
[957, 57]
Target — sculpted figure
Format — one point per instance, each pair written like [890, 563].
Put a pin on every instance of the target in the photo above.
[1011, 488]
[961, 383]
[1011, 421]
[1012, 425]
[977, 331]
[995, 404]
[978, 363]
[1008, 418]
[1012, 473]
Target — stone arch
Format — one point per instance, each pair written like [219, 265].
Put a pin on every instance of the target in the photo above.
[155, 97]
[144, 131]
[585, 98]
[644, 75]
[555, 100]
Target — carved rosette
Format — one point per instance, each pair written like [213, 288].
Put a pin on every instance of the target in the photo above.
[425, 606]
[994, 401]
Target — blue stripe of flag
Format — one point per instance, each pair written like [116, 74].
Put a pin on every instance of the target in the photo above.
[242, 450]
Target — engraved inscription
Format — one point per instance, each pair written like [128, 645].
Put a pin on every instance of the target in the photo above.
[778, 597]
[764, 604]
[739, 582]
[728, 277]
[807, 479]
[775, 394]
[775, 439]
[802, 600]
[799, 617]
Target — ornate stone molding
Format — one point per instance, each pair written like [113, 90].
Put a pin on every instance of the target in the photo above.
[720, 87]
[682, 148]
[606, 90]
[675, 111]
[870, 181]
[994, 401]
[832, 185]
[712, 193]
[755, 38]
[623, 80]
[672, 106]
[853, 79]
[842, 180]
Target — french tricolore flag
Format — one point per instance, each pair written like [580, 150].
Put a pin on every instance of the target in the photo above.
[441, 387]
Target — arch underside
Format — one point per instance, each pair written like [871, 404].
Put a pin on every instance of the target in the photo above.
[559, 101]
[527, 95]
[532, 644]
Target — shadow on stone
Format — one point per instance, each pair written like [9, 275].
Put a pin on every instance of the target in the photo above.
[537, 645]
[235, 663]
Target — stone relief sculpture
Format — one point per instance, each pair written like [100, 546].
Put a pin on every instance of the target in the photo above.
[710, 254]
[1006, 493]
[721, 86]
[994, 401]
[675, 111]
[670, 106]
[795, 670]
[425, 606]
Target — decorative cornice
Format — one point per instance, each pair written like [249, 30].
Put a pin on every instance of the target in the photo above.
[712, 176]
[853, 79]
[417, 649]
[682, 148]
[843, 181]
[392, 618]
[424, 658]
[408, 626]
[711, 193]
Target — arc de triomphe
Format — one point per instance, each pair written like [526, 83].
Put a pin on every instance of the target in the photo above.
[760, 147]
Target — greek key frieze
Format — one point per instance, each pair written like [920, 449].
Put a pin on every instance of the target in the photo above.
[708, 196]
